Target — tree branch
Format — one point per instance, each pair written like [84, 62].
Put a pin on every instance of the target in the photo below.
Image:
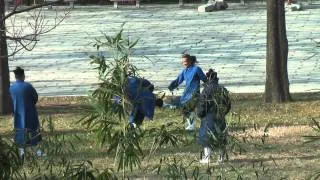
[17, 49]
[316, 42]
[26, 35]
[15, 11]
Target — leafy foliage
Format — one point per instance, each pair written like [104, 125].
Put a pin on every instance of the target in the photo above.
[10, 160]
[312, 139]
[316, 128]
[57, 149]
[107, 118]
[162, 136]
[174, 169]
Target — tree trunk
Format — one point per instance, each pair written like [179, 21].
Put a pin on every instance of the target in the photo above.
[5, 103]
[277, 81]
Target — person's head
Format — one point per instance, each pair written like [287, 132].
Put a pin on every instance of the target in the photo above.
[19, 73]
[188, 60]
[193, 60]
[212, 76]
[159, 102]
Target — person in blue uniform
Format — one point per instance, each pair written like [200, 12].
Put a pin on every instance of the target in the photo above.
[213, 105]
[25, 115]
[192, 75]
[142, 99]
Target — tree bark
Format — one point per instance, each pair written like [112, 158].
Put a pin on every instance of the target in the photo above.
[5, 103]
[277, 81]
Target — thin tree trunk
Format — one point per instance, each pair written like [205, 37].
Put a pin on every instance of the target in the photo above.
[277, 82]
[5, 103]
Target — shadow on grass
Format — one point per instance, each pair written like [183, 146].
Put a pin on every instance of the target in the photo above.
[305, 96]
[9, 134]
[258, 160]
[312, 6]
[63, 109]
[311, 96]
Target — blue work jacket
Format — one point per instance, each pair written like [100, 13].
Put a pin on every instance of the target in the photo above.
[192, 76]
[26, 121]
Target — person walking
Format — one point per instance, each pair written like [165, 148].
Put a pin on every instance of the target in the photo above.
[213, 105]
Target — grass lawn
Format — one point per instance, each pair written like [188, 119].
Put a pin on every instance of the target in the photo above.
[283, 154]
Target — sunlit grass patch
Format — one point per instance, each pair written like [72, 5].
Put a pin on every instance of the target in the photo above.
[282, 154]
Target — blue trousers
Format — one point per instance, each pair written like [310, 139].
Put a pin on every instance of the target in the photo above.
[210, 125]
[27, 137]
[136, 116]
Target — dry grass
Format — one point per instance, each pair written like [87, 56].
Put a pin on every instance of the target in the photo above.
[284, 152]
[250, 109]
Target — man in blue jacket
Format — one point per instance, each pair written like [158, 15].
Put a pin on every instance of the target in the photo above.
[26, 122]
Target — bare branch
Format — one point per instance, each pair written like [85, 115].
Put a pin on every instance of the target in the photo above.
[316, 42]
[28, 37]
[57, 23]
[24, 35]
[15, 11]
[17, 49]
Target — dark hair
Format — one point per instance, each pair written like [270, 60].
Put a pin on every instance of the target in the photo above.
[187, 56]
[212, 75]
[192, 59]
[18, 72]
[159, 102]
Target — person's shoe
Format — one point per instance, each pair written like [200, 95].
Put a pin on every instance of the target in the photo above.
[134, 125]
[220, 159]
[190, 127]
[21, 152]
[40, 153]
[170, 106]
[205, 160]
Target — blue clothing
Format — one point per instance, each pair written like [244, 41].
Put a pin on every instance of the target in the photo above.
[192, 76]
[26, 122]
[212, 106]
[209, 124]
[140, 93]
[136, 115]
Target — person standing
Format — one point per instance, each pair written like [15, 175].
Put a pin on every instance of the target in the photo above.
[213, 105]
[25, 115]
[192, 75]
